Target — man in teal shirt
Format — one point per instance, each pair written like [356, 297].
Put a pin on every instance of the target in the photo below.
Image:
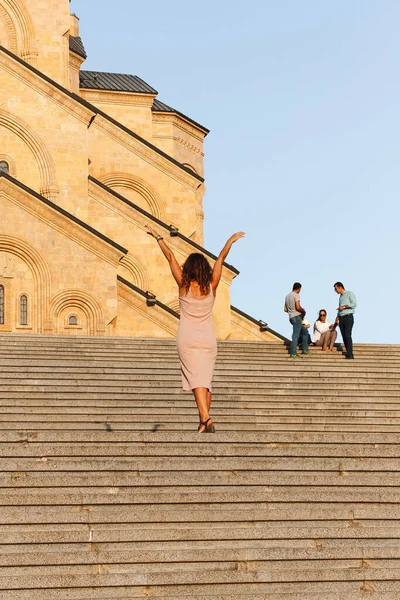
[345, 318]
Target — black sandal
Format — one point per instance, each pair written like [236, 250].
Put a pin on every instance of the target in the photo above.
[208, 428]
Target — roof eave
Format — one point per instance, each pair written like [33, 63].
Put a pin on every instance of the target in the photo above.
[97, 111]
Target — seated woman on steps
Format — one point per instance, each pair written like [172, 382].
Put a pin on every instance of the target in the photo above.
[324, 333]
[197, 346]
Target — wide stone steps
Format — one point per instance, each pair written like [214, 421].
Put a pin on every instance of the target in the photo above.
[107, 492]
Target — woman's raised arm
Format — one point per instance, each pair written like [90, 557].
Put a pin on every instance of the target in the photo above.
[217, 270]
[169, 255]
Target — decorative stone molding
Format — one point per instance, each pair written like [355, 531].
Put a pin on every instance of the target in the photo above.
[28, 325]
[145, 152]
[174, 305]
[11, 164]
[181, 123]
[155, 314]
[10, 28]
[24, 30]
[189, 146]
[43, 157]
[87, 303]
[244, 329]
[60, 222]
[156, 204]
[179, 246]
[46, 89]
[41, 275]
[117, 98]
[139, 273]
[134, 144]
[75, 61]
[189, 166]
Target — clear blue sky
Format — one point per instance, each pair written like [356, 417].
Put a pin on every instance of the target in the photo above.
[302, 99]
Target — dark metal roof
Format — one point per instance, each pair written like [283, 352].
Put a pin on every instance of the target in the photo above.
[97, 111]
[76, 45]
[117, 82]
[161, 107]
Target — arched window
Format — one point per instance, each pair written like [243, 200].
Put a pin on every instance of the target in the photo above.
[23, 305]
[73, 320]
[1, 304]
[4, 167]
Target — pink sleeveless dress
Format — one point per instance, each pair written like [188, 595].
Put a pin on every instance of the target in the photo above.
[197, 346]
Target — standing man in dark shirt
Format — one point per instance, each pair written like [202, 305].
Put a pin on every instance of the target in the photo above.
[296, 316]
[345, 318]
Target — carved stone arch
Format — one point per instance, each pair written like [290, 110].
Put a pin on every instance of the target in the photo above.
[44, 159]
[174, 305]
[29, 305]
[156, 204]
[70, 299]
[41, 275]
[12, 43]
[139, 273]
[24, 31]
[11, 164]
[189, 166]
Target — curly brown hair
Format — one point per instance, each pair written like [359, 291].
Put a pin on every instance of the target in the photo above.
[197, 268]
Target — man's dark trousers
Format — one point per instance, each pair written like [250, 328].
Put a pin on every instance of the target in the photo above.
[346, 326]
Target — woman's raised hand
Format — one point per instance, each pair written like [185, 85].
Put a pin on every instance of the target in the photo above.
[236, 236]
[151, 231]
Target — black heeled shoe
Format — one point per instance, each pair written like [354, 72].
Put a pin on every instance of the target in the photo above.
[207, 428]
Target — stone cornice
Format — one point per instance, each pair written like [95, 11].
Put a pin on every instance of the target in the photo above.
[114, 97]
[27, 75]
[155, 314]
[157, 160]
[249, 329]
[140, 218]
[251, 325]
[71, 102]
[75, 60]
[180, 122]
[60, 220]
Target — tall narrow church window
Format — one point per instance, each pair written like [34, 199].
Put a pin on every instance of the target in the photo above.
[1, 304]
[24, 310]
[4, 167]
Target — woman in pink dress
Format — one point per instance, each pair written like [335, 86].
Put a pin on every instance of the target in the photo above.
[197, 346]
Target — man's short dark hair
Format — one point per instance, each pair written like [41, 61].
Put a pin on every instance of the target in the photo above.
[339, 284]
[296, 286]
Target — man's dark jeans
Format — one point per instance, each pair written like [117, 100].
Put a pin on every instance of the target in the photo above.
[298, 328]
[346, 326]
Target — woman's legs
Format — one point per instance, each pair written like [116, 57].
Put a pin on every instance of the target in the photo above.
[332, 339]
[202, 396]
[324, 339]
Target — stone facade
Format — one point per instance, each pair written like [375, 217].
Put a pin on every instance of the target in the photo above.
[84, 171]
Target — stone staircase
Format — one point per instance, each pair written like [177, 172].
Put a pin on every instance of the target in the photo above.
[108, 492]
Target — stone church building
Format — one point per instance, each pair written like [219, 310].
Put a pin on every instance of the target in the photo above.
[86, 160]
